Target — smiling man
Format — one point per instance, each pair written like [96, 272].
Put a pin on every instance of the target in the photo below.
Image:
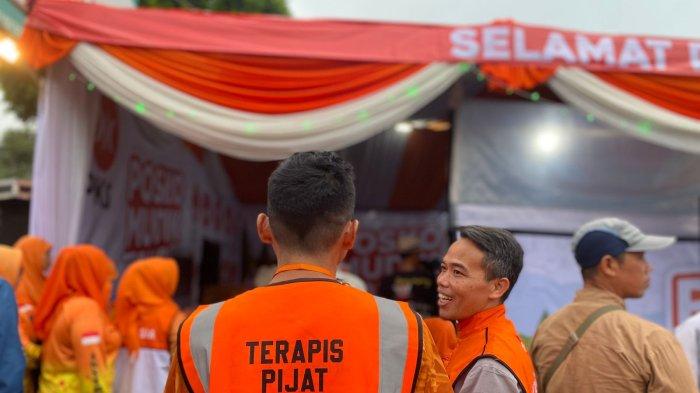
[594, 344]
[476, 277]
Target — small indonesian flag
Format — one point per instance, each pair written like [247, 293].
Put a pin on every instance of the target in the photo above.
[90, 338]
[25, 308]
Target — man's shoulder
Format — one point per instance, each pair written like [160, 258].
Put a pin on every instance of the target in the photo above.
[620, 318]
[552, 320]
[488, 374]
[262, 299]
[640, 327]
[492, 365]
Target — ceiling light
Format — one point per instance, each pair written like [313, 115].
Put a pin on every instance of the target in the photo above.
[547, 142]
[403, 127]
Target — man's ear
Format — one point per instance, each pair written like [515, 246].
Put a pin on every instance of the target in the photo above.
[264, 229]
[609, 266]
[350, 234]
[500, 287]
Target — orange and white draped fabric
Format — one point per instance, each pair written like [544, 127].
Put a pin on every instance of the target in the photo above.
[256, 106]
[253, 100]
[286, 85]
[80, 342]
[659, 109]
[148, 319]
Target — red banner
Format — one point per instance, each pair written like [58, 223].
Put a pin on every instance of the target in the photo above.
[503, 42]
[514, 43]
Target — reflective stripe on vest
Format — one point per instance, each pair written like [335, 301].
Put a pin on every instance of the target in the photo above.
[393, 345]
[201, 341]
[400, 347]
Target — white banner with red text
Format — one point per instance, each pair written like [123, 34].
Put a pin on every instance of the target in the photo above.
[149, 194]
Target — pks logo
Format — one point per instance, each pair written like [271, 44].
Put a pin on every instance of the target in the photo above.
[686, 295]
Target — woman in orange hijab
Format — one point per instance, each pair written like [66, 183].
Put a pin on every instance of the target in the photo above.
[148, 319]
[10, 264]
[35, 260]
[80, 343]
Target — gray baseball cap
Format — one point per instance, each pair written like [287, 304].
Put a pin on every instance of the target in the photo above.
[612, 236]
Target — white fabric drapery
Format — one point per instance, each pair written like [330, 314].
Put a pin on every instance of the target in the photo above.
[635, 116]
[65, 131]
[260, 137]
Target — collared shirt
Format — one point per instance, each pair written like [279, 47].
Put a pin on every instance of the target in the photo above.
[619, 352]
[688, 334]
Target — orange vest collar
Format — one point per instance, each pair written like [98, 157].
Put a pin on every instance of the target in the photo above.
[490, 334]
[480, 320]
[304, 266]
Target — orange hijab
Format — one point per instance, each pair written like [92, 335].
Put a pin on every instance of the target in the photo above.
[31, 282]
[10, 264]
[81, 270]
[146, 288]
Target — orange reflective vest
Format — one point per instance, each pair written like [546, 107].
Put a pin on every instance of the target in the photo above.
[489, 334]
[305, 335]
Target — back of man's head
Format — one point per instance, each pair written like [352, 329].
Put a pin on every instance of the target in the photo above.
[310, 199]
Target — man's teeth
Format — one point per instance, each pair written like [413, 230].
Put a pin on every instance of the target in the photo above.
[443, 297]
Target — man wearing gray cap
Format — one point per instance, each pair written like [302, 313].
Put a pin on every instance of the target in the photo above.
[594, 344]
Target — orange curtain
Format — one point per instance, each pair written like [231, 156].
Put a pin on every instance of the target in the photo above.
[263, 84]
[41, 48]
[259, 84]
[679, 94]
[676, 93]
[502, 76]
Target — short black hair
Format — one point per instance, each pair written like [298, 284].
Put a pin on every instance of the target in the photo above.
[589, 273]
[503, 255]
[310, 198]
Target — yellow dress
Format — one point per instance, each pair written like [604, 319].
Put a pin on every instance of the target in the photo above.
[80, 351]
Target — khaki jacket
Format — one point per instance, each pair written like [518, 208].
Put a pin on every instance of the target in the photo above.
[620, 352]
